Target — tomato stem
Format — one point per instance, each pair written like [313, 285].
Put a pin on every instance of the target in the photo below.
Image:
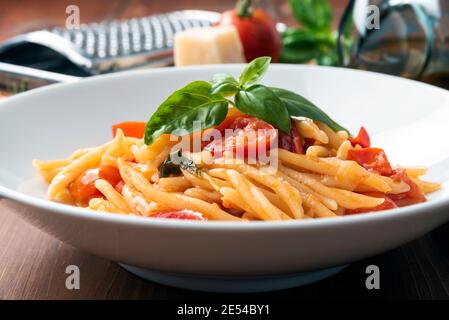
[243, 8]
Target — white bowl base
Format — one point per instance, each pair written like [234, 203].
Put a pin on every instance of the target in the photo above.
[233, 284]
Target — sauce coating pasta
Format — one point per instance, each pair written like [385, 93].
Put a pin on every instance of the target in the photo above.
[266, 154]
[321, 182]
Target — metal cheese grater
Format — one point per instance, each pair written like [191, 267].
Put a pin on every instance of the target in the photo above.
[98, 48]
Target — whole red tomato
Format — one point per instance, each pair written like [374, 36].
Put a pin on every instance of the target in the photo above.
[257, 30]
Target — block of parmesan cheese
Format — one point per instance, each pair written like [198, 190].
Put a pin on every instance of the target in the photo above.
[220, 44]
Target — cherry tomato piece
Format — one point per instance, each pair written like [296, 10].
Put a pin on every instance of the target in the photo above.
[387, 204]
[130, 129]
[372, 159]
[83, 188]
[414, 195]
[291, 142]
[119, 186]
[244, 134]
[362, 139]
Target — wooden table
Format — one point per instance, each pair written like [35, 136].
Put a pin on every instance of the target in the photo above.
[32, 264]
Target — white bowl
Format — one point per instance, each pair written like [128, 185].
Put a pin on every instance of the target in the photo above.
[407, 118]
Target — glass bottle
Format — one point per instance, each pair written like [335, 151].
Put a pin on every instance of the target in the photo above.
[408, 38]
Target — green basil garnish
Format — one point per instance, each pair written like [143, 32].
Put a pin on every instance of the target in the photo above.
[224, 84]
[178, 113]
[261, 102]
[298, 106]
[254, 71]
[206, 104]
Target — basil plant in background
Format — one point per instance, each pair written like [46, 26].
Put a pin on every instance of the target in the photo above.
[314, 40]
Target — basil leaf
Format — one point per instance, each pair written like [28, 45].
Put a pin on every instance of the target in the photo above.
[224, 84]
[312, 14]
[298, 106]
[191, 103]
[259, 101]
[289, 55]
[254, 71]
[223, 77]
[299, 37]
[303, 45]
[299, 46]
[170, 168]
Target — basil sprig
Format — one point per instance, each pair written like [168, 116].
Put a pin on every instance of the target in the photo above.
[224, 84]
[254, 71]
[261, 102]
[298, 106]
[258, 100]
[192, 103]
[207, 104]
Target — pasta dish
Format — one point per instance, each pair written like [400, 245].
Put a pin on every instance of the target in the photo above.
[234, 149]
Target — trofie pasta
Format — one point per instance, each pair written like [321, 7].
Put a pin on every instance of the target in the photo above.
[263, 154]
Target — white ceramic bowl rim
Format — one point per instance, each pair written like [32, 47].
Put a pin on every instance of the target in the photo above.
[399, 213]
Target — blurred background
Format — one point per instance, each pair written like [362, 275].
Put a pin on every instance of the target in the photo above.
[408, 38]
[20, 16]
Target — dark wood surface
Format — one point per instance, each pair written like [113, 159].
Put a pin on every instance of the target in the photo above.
[32, 263]
[32, 266]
